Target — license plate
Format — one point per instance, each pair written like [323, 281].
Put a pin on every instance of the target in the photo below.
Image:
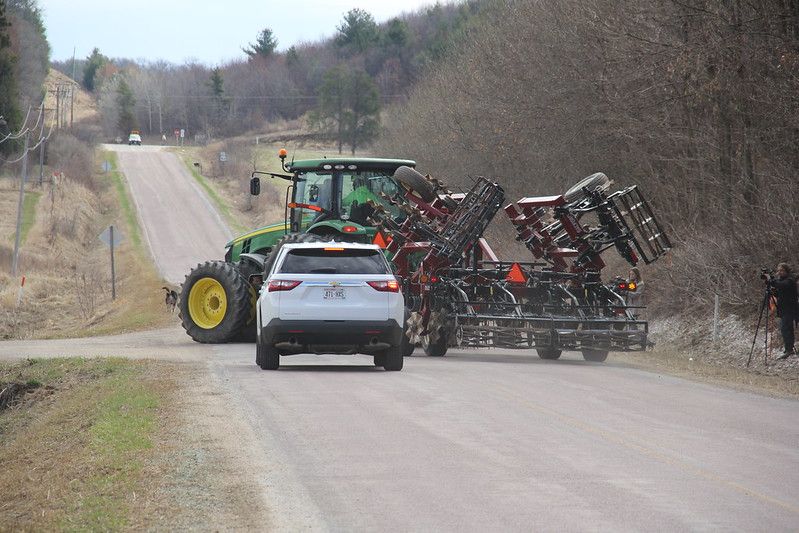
[334, 294]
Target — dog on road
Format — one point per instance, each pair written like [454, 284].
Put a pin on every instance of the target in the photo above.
[171, 299]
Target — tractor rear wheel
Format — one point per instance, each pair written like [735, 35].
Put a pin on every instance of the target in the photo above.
[216, 302]
[416, 182]
[549, 353]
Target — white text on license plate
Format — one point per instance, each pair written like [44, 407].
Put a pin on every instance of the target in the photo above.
[334, 294]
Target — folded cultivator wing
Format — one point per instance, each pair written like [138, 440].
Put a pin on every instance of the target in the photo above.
[460, 294]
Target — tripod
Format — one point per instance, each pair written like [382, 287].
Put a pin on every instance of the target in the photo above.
[763, 310]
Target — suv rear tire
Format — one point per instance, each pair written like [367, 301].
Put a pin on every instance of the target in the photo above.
[392, 360]
[266, 357]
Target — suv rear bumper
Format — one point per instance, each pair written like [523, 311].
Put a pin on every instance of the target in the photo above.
[331, 336]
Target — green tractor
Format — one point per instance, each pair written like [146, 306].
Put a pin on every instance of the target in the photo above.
[327, 199]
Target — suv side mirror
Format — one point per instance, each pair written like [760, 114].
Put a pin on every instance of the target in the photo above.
[255, 186]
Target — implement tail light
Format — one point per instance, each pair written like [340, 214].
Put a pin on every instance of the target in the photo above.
[281, 285]
[390, 285]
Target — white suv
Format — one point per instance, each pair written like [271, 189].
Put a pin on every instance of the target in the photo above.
[330, 298]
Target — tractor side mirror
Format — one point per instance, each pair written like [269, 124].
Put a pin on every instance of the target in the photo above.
[255, 186]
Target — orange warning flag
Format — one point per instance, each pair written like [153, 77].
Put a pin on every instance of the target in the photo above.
[516, 274]
[380, 240]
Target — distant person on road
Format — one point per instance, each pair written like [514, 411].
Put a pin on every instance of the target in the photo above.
[163, 138]
[635, 296]
[783, 286]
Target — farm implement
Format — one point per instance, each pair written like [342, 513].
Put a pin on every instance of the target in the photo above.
[460, 294]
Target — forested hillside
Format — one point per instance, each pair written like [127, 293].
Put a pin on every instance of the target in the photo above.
[377, 62]
[695, 100]
[24, 62]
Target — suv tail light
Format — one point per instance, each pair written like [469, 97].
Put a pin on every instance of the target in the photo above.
[281, 285]
[389, 285]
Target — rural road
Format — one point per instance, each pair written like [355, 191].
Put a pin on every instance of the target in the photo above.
[179, 224]
[480, 440]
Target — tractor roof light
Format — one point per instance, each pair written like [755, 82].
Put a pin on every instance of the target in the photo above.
[282, 153]
[352, 167]
[327, 167]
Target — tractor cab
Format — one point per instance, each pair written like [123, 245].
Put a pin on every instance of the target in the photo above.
[328, 197]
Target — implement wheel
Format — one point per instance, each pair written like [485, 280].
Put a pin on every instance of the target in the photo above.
[416, 182]
[216, 303]
[597, 356]
[548, 353]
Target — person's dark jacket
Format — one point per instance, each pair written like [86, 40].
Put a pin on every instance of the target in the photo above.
[787, 296]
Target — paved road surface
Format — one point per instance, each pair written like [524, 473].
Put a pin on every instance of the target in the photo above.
[483, 440]
[180, 225]
[495, 440]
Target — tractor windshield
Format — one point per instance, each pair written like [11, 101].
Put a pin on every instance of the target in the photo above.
[343, 195]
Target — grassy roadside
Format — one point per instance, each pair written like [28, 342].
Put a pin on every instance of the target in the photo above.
[676, 363]
[219, 202]
[73, 447]
[125, 202]
[28, 213]
[139, 303]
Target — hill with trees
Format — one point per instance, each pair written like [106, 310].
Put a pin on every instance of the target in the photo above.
[695, 100]
[343, 81]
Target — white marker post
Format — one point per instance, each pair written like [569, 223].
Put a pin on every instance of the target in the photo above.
[19, 294]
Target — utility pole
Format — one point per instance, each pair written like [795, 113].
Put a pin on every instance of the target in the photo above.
[42, 142]
[71, 104]
[23, 177]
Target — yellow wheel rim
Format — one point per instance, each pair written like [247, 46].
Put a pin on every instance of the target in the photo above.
[207, 303]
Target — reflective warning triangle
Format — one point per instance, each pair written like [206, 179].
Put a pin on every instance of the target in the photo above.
[516, 274]
[379, 240]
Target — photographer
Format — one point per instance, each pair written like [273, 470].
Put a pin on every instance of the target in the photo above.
[783, 286]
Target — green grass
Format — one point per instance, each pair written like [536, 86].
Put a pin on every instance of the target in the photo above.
[220, 203]
[125, 203]
[29, 213]
[89, 442]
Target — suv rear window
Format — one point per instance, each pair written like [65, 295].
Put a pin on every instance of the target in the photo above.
[330, 261]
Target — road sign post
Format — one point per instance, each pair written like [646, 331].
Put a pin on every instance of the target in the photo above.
[112, 238]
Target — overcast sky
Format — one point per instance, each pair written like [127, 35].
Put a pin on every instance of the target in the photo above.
[209, 31]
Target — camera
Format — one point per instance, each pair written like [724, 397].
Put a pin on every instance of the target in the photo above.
[767, 275]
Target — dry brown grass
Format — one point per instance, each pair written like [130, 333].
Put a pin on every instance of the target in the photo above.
[68, 280]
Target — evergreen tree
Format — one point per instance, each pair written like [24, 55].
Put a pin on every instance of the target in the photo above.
[221, 103]
[349, 107]
[362, 119]
[357, 32]
[126, 120]
[93, 63]
[264, 45]
[9, 110]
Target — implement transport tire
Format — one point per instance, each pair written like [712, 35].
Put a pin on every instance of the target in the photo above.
[592, 183]
[549, 353]
[597, 356]
[216, 303]
[435, 349]
[416, 182]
